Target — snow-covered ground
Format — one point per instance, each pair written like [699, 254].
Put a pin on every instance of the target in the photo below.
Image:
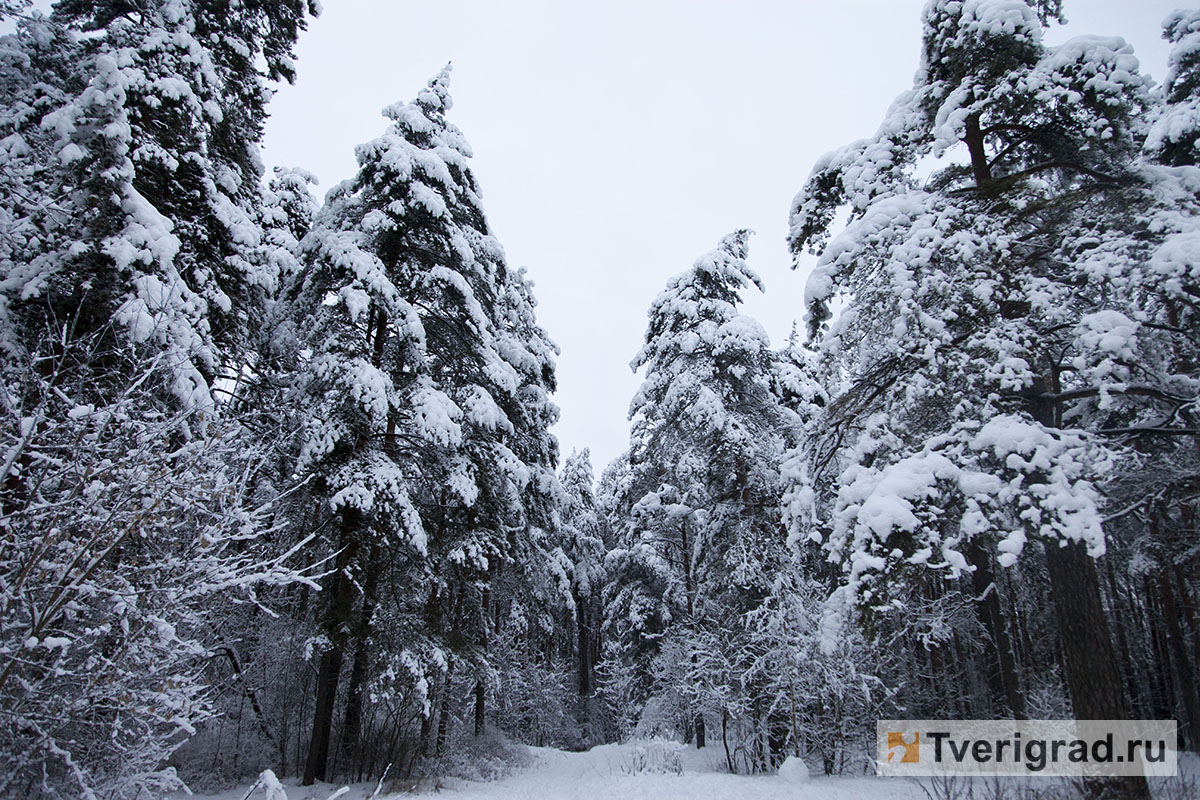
[612, 772]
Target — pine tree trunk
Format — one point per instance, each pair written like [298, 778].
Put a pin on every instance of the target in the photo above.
[426, 731]
[1093, 677]
[352, 729]
[480, 706]
[1123, 619]
[1085, 643]
[725, 738]
[792, 697]
[485, 608]
[1188, 612]
[1162, 682]
[958, 679]
[318, 747]
[980, 167]
[444, 713]
[584, 655]
[1077, 608]
[1185, 676]
[1002, 671]
[337, 620]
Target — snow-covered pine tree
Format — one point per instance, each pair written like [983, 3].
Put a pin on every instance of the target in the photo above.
[1157, 489]
[123, 195]
[577, 563]
[627, 638]
[428, 383]
[702, 537]
[529, 594]
[371, 412]
[1174, 137]
[147, 134]
[9, 8]
[1002, 331]
[492, 497]
[822, 676]
[584, 548]
[287, 212]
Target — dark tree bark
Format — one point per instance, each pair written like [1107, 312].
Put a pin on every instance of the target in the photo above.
[337, 621]
[1089, 661]
[1085, 643]
[443, 728]
[1002, 669]
[582, 621]
[1093, 677]
[1189, 613]
[1123, 620]
[480, 707]
[725, 738]
[1162, 682]
[352, 729]
[318, 748]
[1185, 675]
[980, 168]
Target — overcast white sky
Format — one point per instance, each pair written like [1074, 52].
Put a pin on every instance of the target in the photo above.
[617, 141]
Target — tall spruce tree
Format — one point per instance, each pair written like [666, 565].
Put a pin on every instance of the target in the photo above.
[428, 381]
[702, 500]
[583, 546]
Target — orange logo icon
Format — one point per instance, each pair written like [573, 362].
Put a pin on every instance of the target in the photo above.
[909, 752]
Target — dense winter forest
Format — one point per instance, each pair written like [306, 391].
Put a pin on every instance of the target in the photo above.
[279, 490]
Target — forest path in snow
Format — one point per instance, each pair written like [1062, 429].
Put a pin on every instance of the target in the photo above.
[605, 772]
[608, 772]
